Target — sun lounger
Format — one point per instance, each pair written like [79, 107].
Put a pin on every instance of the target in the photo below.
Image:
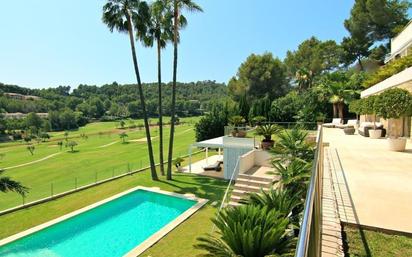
[215, 166]
[351, 123]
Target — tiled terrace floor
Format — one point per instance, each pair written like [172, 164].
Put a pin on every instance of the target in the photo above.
[372, 185]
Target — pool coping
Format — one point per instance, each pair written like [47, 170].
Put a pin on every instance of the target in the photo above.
[143, 246]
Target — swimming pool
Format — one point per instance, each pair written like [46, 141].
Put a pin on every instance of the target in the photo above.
[111, 228]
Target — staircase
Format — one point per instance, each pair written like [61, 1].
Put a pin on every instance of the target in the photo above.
[246, 184]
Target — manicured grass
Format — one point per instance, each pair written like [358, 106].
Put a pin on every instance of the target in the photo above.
[366, 243]
[177, 243]
[98, 156]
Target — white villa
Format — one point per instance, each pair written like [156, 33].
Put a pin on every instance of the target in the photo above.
[401, 46]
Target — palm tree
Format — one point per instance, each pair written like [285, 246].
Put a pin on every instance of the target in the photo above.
[7, 184]
[291, 145]
[159, 31]
[248, 231]
[178, 22]
[124, 16]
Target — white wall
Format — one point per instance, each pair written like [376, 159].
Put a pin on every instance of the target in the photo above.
[230, 158]
[402, 39]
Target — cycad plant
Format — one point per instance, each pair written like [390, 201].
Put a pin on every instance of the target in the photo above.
[9, 185]
[178, 21]
[159, 32]
[126, 16]
[275, 199]
[292, 144]
[248, 231]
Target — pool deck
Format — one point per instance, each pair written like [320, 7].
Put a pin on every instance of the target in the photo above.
[142, 246]
[197, 167]
[372, 185]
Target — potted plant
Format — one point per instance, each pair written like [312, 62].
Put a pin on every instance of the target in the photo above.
[236, 121]
[267, 131]
[368, 107]
[394, 104]
[178, 163]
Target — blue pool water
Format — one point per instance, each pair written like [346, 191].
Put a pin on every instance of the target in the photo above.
[111, 230]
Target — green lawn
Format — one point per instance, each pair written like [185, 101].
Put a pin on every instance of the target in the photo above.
[99, 155]
[177, 243]
[366, 243]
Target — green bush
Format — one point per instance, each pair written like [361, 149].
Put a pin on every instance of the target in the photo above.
[388, 70]
[393, 103]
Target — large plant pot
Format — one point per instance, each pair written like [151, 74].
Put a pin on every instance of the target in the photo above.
[266, 145]
[241, 133]
[349, 130]
[397, 144]
[375, 133]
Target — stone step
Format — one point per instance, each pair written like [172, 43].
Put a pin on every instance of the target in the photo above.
[251, 177]
[251, 182]
[236, 198]
[233, 204]
[248, 188]
[238, 192]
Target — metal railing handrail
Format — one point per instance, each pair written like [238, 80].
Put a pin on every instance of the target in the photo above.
[227, 189]
[309, 240]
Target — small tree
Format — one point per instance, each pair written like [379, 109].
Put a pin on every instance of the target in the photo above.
[393, 104]
[27, 139]
[72, 144]
[31, 149]
[66, 135]
[44, 136]
[122, 123]
[123, 136]
[60, 144]
[356, 107]
[367, 107]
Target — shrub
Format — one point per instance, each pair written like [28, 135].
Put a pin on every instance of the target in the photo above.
[388, 70]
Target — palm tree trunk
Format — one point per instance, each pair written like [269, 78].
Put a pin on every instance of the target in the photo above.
[173, 111]
[334, 110]
[142, 102]
[340, 109]
[159, 78]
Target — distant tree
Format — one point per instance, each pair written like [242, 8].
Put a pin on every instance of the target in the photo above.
[66, 135]
[44, 136]
[260, 75]
[7, 184]
[72, 144]
[244, 107]
[68, 119]
[312, 58]
[60, 144]
[122, 123]
[34, 122]
[31, 149]
[123, 136]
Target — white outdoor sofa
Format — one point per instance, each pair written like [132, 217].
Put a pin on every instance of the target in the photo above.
[335, 122]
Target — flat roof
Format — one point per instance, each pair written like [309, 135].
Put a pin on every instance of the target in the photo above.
[211, 143]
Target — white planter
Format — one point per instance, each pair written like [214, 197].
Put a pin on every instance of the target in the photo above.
[375, 133]
[397, 144]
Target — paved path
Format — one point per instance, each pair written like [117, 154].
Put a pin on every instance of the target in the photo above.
[33, 162]
[373, 185]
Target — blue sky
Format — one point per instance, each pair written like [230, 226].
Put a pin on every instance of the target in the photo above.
[49, 43]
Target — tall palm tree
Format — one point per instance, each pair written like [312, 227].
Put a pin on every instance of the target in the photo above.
[178, 21]
[125, 16]
[7, 185]
[160, 32]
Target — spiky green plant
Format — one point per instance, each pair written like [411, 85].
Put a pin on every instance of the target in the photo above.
[292, 144]
[248, 231]
[9, 185]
